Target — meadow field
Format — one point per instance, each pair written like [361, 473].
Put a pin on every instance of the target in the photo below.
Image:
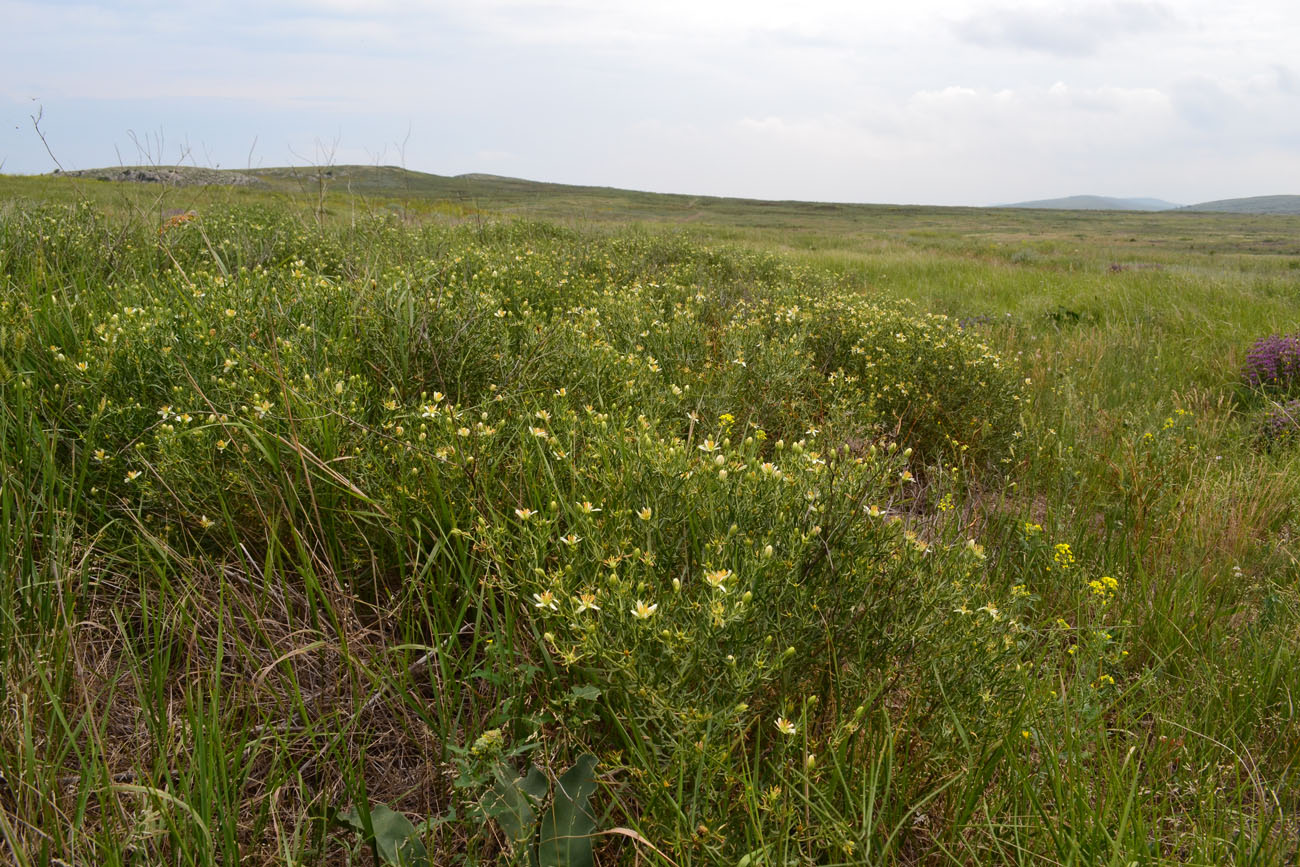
[377, 523]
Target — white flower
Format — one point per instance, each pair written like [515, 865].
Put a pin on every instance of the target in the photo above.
[785, 727]
[545, 599]
[642, 611]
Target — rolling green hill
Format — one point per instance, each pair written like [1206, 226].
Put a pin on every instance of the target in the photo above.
[1096, 203]
[568, 201]
[1252, 205]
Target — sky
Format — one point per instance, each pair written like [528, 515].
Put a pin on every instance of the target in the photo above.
[922, 101]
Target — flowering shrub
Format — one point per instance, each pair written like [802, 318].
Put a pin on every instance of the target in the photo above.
[678, 481]
[1273, 362]
[941, 388]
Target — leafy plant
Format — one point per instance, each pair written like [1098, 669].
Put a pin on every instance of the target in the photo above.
[393, 836]
[562, 837]
[557, 834]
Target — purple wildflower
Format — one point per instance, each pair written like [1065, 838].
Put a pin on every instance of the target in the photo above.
[1274, 362]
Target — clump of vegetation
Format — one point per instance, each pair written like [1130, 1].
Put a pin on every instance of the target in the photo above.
[1273, 363]
[472, 543]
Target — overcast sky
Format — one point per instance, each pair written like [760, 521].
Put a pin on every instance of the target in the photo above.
[921, 101]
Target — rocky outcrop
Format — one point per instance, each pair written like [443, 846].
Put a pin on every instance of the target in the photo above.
[176, 176]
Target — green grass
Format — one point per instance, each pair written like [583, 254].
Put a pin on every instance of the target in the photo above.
[837, 534]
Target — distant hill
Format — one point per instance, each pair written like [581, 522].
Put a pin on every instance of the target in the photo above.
[1096, 203]
[1252, 205]
[541, 199]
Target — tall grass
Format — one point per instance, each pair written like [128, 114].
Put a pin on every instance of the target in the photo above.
[305, 517]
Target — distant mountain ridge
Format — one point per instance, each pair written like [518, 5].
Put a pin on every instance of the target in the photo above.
[1251, 205]
[1096, 203]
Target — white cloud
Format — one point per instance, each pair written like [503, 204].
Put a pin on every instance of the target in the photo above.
[1075, 28]
[932, 100]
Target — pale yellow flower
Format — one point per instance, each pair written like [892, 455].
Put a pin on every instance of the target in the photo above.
[643, 611]
[717, 579]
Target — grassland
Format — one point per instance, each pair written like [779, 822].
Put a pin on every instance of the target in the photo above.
[834, 534]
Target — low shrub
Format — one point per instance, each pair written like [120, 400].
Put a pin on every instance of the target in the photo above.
[1273, 363]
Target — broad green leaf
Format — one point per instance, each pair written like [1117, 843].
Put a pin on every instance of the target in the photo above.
[394, 836]
[511, 803]
[535, 783]
[567, 826]
[586, 692]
